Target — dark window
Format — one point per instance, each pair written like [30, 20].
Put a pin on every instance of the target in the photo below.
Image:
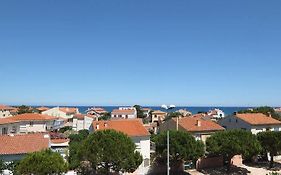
[4, 131]
[31, 123]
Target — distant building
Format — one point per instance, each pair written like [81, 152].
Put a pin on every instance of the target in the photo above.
[6, 111]
[200, 129]
[158, 116]
[136, 131]
[63, 112]
[216, 113]
[184, 112]
[124, 113]
[42, 109]
[146, 112]
[31, 122]
[254, 122]
[9, 126]
[82, 121]
[96, 111]
[15, 147]
[61, 146]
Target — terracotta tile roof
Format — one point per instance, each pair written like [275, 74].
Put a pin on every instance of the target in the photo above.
[192, 125]
[42, 108]
[59, 140]
[7, 121]
[131, 127]
[21, 144]
[68, 110]
[79, 116]
[146, 109]
[4, 107]
[159, 112]
[32, 117]
[123, 112]
[258, 119]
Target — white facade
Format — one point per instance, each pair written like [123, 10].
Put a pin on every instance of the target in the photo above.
[233, 122]
[124, 113]
[56, 112]
[80, 124]
[35, 126]
[9, 128]
[5, 113]
[216, 113]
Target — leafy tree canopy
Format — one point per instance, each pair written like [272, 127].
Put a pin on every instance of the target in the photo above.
[183, 146]
[270, 142]
[105, 116]
[139, 111]
[110, 151]
[233, 142]
[42, 163]
[24, 109]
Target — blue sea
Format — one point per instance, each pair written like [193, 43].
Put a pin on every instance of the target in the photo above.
[194, 110]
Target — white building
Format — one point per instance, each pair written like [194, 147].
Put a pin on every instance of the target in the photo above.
[6, 111]
[158, 116]
[136, 131]
[124, 113]
[31, 122]
[9, 126]
[82, 121]
[216, 113]
[61, 146]
[66, 112]
[254, 122]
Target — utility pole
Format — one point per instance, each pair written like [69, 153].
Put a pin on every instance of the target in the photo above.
[168, 153]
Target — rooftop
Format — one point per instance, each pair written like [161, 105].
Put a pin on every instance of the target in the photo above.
[7, 120]
[21, 144]
[131, 127]
[258, 119]
[123, 112]
[32, 116]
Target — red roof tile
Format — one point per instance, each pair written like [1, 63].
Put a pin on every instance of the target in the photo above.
[192, 125]
[123, 112]
[68, 110]
[7, 121]
[258, 119]
[131, 127]
[4, 107]
[32, 116]
[21, 144]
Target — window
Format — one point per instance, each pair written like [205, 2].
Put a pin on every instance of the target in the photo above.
[31, 123]
[236, 121]
[126, 116]
[14, 130]
[4, 131]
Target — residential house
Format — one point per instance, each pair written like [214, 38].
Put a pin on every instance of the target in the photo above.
[254, 122]
[61, 146]
[82, 121]
[146, 112]
[31, 122]
[184, 112]
[96, 111]
[8, 126]
[15, 147]
[200, 129]
[216, 113]
[124, 113]
[63, 112]
[42, 109]
[158, 116]
[136, 131]
[6, 111]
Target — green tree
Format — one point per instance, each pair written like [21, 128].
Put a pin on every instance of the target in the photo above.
[231, 143]
[265, 110]
[270, 142]
[2, 166]
[183, 147]
[42, 163]
[172, 115]
[74, 148]
[139, 111]
[24, 109]
[106, 116]
[110, 151]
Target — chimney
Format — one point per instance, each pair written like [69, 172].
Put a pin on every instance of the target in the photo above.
[198, 123]
[97, 126]
[105, 124]
[269, 114]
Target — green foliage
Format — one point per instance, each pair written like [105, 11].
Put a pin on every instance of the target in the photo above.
[270, 142]
[65, 128]
[139, 111]
[183, 146]
[265, 110]
[233, 142]
[24, 109]
[42, 163]
[74, 148]
[274, 173]
[110, 151]
[172, 115]
[106, 116]
[2, 166]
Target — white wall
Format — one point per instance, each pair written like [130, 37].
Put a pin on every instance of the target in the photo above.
[5, 113]
[79, 124]
[124, 116]
[143, 146]
[10, 127]
[57, 113]
[38, 126]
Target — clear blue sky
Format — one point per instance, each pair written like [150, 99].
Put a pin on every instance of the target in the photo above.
[183, 52]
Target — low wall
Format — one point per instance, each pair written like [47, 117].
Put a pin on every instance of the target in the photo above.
[209, 162]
